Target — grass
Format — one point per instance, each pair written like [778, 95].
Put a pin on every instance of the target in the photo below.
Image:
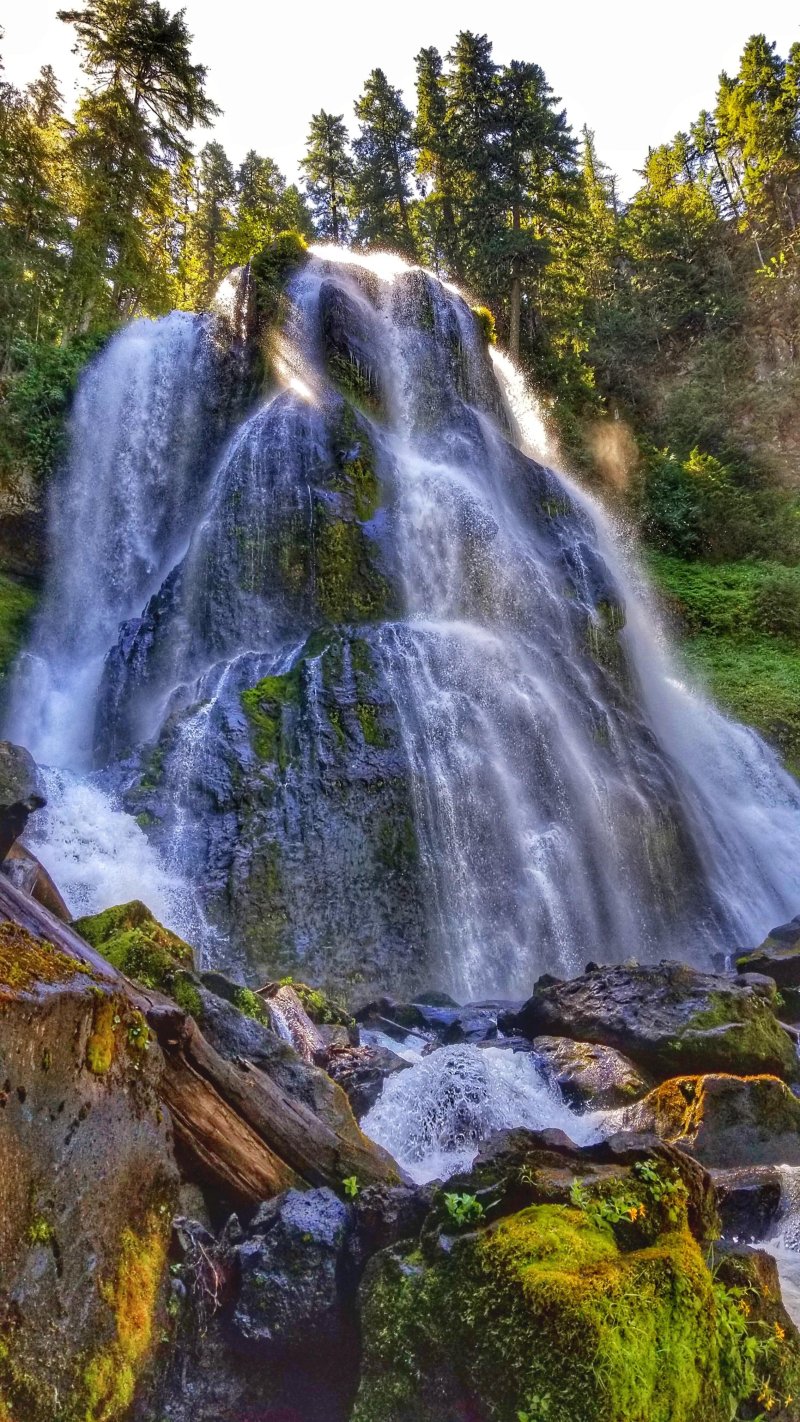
[753, 673]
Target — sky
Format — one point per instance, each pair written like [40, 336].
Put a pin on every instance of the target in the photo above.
[634, 72]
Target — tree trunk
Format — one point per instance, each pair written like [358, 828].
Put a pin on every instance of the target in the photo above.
[236, 1130]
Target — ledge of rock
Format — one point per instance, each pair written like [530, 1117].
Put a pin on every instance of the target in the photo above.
[667, 1018]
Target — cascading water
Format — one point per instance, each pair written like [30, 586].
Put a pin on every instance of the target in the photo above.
[435, 1116]
[399, 710]
[147, 416]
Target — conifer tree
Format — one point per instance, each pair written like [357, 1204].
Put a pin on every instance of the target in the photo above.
[130, 131]
[328, 171]
[435, 221]
[383, 152]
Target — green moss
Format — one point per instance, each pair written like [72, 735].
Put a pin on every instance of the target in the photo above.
[356, 463]
[153, 768]
[250, 1005]
[102, 1043]
[544, 1316]
[26, 962]
[355, 381]
[109, 1380]
[264, 704]
[271, 269]
[754, 1041]
[137, 944]
[320, 1006]
[40, 1231]
[349, 586]
[187, 997]
[486, 324]
[17, 605]
[371, 728]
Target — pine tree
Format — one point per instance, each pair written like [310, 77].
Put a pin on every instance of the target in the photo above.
[435, 221]
[129, 135]
[536, 177]
[265, 206]
[471, 120]
[209, 224]
[380, 196]
[328, 171]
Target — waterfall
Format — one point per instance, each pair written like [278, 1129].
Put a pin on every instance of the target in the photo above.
[144, 425]
[382, 687]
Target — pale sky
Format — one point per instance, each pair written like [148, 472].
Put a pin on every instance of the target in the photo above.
[635, 72]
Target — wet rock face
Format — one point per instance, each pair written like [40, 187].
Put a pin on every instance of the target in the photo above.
[724, 1121]
[588, 1074]
[668, 1018]
[89, 1186]
[290, 1270]
[749, 1199]
[362, 1072]
[20, 793]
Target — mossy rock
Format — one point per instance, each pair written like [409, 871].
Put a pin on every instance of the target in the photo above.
[28, 963]
[138, 945]
[668, 1018]
[724, 1120]
[271, 269]
[545, 1316]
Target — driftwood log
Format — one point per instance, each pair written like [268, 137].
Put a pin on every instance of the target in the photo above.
[236, 1129]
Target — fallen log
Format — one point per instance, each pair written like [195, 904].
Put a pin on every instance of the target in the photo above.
[236, 1129]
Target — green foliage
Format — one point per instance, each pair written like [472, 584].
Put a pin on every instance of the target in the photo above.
[251, 1005]
[486, 323]
[463, 1209]
[545, 1314]
[17, 605]
[351, 1187]
[651, 1201]
[728, 614]
[328, 171]
[271, 269]
[321, 1007]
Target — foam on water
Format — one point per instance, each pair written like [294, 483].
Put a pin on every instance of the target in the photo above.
[435, 1116]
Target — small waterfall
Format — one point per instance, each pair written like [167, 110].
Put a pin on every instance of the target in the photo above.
[435, 1116]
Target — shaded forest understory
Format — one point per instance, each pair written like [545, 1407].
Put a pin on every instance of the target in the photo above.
[662, 333]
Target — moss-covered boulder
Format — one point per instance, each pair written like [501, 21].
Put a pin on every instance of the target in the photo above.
[724, 1120]
[546, 1315]
[134, 941]
[89, 1187]
[668, 1018]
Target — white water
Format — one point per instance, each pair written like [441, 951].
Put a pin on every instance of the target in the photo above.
[121, 513]
[784, 1243]
[435, 1116]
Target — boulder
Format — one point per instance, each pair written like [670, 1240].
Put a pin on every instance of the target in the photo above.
[589, 1075]
[778, 956]
[508, 1319]
[89, 1186]
[667, 1018]
[362, 1071]
[293, 1278]
[748, 1199]
[20, 793]
[724, 1121]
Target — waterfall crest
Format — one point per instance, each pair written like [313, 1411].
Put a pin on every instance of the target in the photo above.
[380, 684]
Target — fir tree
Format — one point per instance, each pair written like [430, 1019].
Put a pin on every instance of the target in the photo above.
[328, 171]
[380, 196]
